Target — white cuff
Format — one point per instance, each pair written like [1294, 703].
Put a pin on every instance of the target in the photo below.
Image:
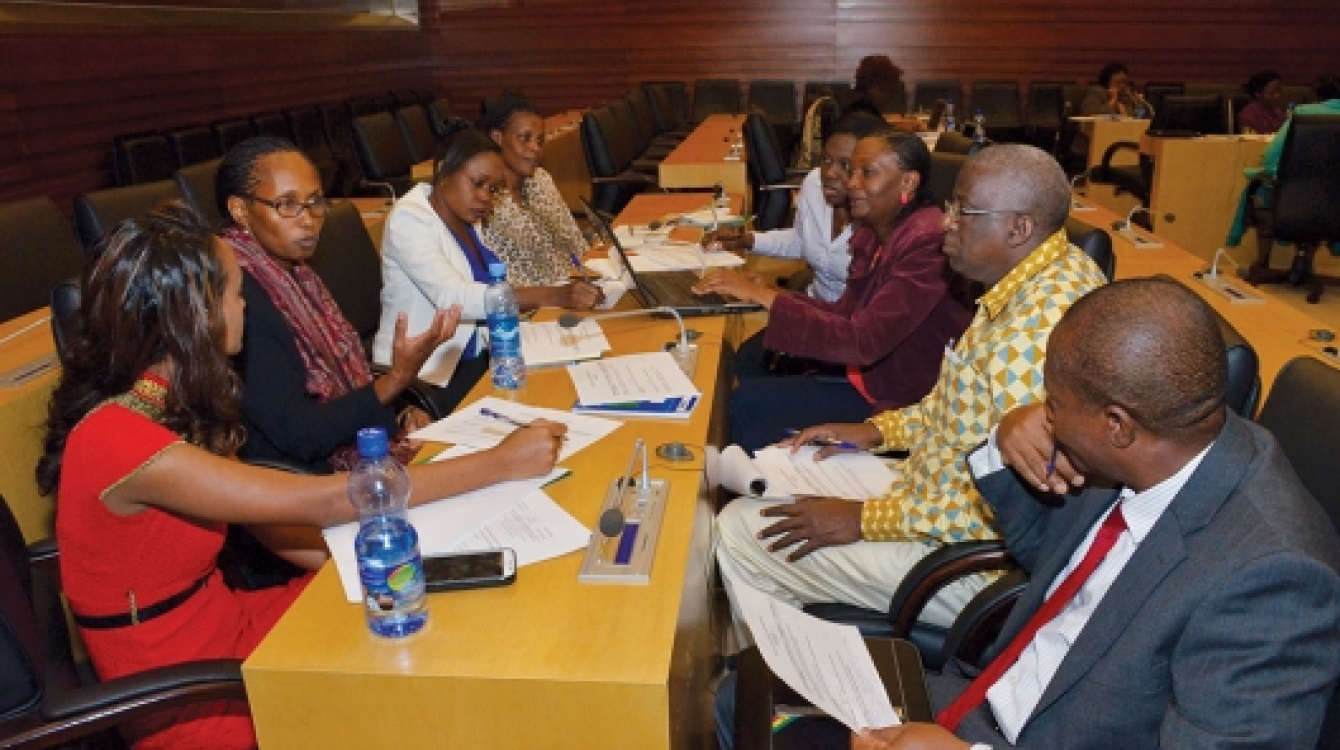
[986, 460]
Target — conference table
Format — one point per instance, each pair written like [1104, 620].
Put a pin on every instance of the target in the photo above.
[709, 157]
[23, 413]
[1277, 331]
[547, 662]
[1198, 183]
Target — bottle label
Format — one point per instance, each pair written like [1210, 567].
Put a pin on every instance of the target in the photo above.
[390, 590]
[504, 336]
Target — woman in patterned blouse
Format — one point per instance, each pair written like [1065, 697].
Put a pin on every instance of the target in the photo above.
[529, 226]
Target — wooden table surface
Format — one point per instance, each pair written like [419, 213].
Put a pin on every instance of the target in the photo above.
[23, 413]
[1277, 331]
[547, 662]
[701, 160]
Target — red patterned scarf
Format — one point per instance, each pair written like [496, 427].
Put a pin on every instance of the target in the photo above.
[331, 351]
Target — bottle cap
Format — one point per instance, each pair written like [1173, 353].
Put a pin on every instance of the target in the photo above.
[372, 442]
[498, 270]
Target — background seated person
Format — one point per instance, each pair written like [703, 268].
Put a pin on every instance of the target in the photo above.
[1258, 198]
[433, 258]
[1212, 617]
[1004, 228]
[885, 337]
[1265, 112]
[307, 383]
[1115, 96]
[822, 227]
[528, 224]
[139, 453]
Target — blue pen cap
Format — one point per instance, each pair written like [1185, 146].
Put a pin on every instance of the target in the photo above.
[373, 443]
[498, 270]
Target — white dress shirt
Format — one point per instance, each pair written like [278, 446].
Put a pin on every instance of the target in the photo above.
[811, 238]
[1017, 692]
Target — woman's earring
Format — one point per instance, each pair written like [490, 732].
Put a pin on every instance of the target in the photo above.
[904, 198]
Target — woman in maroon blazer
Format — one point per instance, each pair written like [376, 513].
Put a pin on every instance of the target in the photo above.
[880, 345]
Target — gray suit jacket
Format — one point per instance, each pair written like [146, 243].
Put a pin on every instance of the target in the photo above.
[1223, 630]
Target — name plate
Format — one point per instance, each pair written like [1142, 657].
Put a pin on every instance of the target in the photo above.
[28, 371]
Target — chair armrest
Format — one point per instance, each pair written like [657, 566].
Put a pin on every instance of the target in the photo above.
[625, 178]
[280, 464]
[44, 554]
[938, 569]
[92, 709]
[977, 626]
[1113, 149]
[420, 394]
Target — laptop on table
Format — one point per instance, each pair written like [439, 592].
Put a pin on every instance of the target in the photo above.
[664, 288]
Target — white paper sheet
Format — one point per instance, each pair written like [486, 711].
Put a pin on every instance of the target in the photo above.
[654, 376]
[854, 476]
[738, 473]
[667, 258]
[825, 662]
[468, 426]
[549, 343]
[536, 527]
[441, 524]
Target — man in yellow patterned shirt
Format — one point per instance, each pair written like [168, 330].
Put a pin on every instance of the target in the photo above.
[1004, 228]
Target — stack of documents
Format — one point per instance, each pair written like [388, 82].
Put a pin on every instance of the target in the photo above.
[550, 343]
[634, 385]
[674, 257]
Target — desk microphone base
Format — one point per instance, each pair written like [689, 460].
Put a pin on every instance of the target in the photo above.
[627, 557]
[1238, 294]
[687, 359]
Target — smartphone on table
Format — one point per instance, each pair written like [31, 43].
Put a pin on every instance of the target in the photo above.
[469, 570]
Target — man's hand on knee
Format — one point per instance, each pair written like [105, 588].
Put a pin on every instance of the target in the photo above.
[813, 522]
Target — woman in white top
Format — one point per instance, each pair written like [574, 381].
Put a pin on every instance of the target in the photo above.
[823, 225]
[433, 258]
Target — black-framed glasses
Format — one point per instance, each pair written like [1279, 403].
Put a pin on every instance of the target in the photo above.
[292, 209]
[955, 210]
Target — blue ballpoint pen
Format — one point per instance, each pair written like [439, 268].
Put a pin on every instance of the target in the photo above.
[825, 442]
[491, 414]
[581, 268]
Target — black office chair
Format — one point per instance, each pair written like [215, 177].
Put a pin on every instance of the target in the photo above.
[141, 158]
[417, 132]
[776, 101]
[1306, 192]
[1043, 116]
[1156, 92]
[42, 702]
[1096, 243]
[610, 151]
[715, 96]
[309, 134]
[838, 91]
[944, 173]
[193, 145]
[338, 122]
[439, 113]
[1303, 413]
[37, 250]
[998, 101]
[383, 153]
[659, 139]
[350, 266]
[953, 143]
[229, 133]
[669, 117]
[272, 124]
[774, 186]
[196, 184]
[98, 211]
[924, 94]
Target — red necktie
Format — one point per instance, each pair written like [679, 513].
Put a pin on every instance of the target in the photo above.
[973, 696]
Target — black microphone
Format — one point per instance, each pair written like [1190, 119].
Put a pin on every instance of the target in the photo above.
[611, 522]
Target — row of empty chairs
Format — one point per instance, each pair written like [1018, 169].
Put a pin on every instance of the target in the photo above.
[326, 132]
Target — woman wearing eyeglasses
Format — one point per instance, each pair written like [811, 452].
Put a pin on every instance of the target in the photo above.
[307, 383]
[877, 347]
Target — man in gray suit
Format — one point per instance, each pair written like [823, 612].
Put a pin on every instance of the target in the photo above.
[1207, 614]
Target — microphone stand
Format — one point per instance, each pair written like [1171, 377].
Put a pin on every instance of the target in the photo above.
[684, 352]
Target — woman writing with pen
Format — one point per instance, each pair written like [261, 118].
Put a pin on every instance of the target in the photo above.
[434, 257]
[529, 226]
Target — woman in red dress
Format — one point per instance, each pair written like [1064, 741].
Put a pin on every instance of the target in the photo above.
[139, 452]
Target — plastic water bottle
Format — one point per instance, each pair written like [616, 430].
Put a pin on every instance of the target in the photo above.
[387, 546]
[978, 131]
[509, 369]
[950, 125]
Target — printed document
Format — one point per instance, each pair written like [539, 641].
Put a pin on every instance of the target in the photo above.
[825, 662]
[536, 527]
[470, 426]
[778, 472]
[654, 376]
[550, 343]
